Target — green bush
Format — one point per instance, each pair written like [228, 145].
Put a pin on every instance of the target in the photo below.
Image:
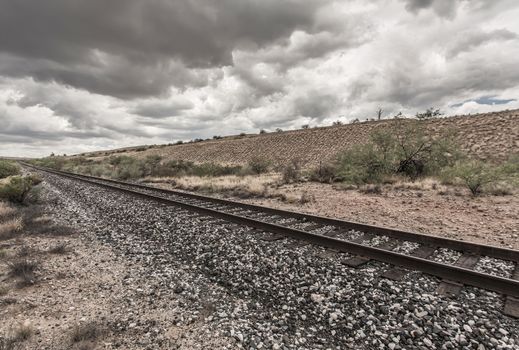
[19, 189]
[258, 165]
[324, 173]
[409, 151]
[363, 164]
[8, 168]
[476, 175]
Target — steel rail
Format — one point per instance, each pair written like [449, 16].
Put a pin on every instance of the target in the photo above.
[506, 286]
[474, 248]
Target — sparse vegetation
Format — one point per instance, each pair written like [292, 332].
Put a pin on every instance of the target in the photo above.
[88, 332]
[475, 175]
[19, 189]
[409, 152]
[429, 114]
[23, 269]
[8, 168]
[292, 172]
[60, 248]
[258, 165]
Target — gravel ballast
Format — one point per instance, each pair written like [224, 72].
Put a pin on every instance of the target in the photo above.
[242, 292]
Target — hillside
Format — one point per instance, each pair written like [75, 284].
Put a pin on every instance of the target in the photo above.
[486, 136]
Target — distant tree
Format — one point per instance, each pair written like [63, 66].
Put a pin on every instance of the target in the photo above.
[279, 130]
[263, 131]
[179, 142]
[242, 134]
[52, 154]
[337, 123]
[216, 137]
[355, 121]
[379, 114]
[398, 115]
[306, 126]
[429, 114]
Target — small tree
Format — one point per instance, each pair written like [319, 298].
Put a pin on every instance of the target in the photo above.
[379, 114]
[306, 126]
[337, 123]
[475, 175]
[279, 130]
[262, 131]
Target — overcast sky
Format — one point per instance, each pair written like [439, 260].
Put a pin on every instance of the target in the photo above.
[81, 75]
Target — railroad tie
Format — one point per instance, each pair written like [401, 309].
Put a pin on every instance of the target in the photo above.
[300, 243]
[361, 260]
[330, 252]
[397, 273]
[511, 303]
[448, 287]
[270, 237]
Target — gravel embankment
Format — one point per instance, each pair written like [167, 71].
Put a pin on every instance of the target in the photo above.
[238, 291]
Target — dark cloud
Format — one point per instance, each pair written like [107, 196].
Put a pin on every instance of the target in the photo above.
[315, 105]
[162, 108]
[468, 40]
[443, 8]
[125, 48]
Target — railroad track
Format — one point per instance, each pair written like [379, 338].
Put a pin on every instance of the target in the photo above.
[404, 251]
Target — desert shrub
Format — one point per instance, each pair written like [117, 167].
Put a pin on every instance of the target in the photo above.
[292, 172]
[53, 162]
[126, 168]
[8, 168]
[258, 165]
[212, 169]
[18, 189]
[324, 173]
[24, 269]
[409, 152]
[429, 114]
[87, 332]
[475, 175]
[510, 170]
[420, 154]
[362, 164]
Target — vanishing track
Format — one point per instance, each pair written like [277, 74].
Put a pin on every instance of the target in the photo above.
[282, 223]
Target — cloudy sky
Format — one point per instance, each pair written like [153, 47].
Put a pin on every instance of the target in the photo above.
[81, 75]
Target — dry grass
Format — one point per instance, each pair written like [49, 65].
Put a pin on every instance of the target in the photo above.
[87, 333]
[250, 186]
[60, 248]
[23, 269]
[6, 210]
[10, 227]
[23, 332]
[19, 334]
[255, 185]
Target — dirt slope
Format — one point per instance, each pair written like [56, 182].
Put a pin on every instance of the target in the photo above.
[491, 135]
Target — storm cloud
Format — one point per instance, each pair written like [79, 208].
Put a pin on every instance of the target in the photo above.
[79, 75]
